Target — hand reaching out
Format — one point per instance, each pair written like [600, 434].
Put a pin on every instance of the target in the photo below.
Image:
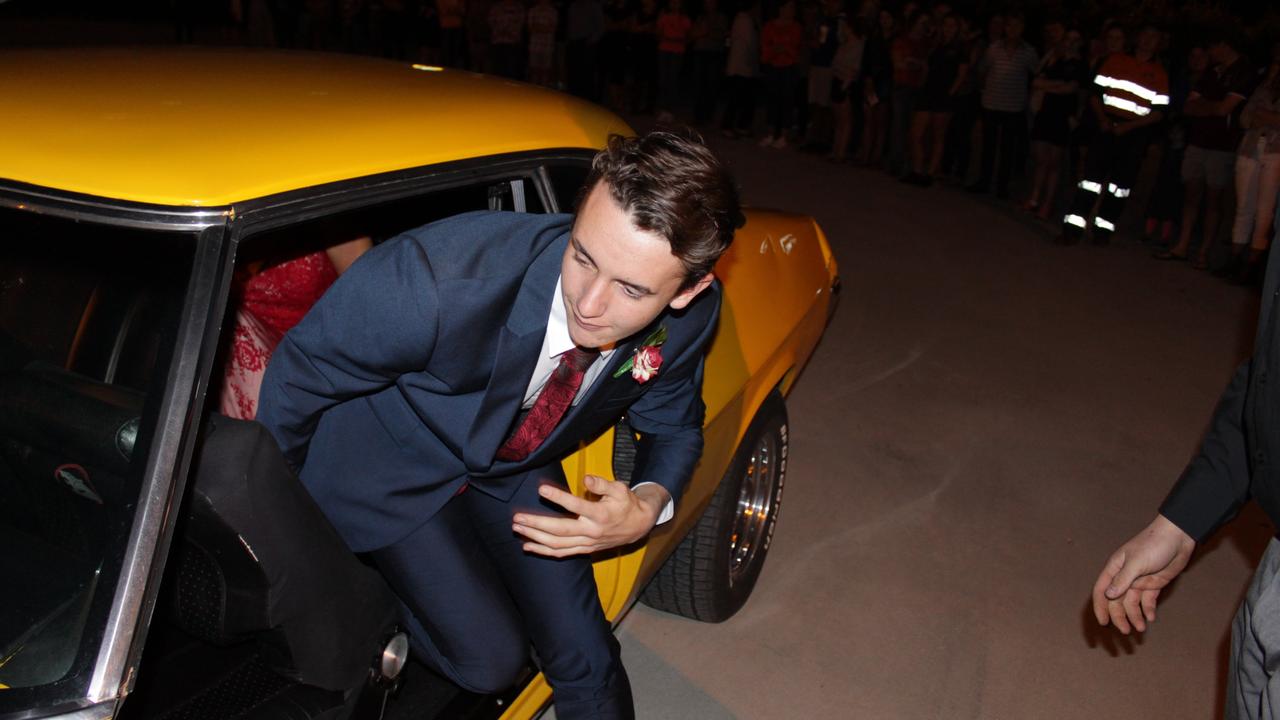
[1126, 591]
[616, 517]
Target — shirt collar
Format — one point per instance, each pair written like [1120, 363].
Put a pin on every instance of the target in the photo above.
[558, 340]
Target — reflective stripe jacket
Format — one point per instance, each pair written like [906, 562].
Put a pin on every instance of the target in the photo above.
[1131, 89]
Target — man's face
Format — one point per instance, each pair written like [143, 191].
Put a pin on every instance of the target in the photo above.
[615, 278]
[1115, 40]
[1148, 41]
[1053, 33]
[1013, 29]
[1197, 60]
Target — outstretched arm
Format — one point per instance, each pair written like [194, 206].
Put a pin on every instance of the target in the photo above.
[1129, 585]
[1210, 491]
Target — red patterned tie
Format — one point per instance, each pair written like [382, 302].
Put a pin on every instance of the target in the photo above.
[557, 395]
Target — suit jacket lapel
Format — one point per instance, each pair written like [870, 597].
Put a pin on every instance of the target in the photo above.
[516, 355]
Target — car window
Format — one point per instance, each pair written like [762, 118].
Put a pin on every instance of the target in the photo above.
[282, 272]
[567, 180]
[383, 221]
[88, 321]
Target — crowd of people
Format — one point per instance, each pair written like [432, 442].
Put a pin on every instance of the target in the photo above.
[1056, 112]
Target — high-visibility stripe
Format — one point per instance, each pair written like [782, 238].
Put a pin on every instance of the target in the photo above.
[1075, 220]
[1150, 96]
[1117, 190]
[1091, 186]
[1125, 104]
[1104, 225]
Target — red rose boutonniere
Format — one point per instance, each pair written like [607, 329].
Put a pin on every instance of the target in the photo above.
[644, 364]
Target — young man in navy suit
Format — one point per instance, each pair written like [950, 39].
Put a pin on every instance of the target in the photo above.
[428, 399]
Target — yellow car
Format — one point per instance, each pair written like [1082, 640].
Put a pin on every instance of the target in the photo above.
[135, 185]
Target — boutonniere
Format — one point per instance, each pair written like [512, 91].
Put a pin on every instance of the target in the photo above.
[644, 364]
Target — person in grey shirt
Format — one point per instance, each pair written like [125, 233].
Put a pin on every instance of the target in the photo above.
[1006, 71]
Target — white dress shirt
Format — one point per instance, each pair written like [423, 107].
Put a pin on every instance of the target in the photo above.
[557, 342]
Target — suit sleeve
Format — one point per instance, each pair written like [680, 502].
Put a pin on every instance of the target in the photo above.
[377, 322]
[669, 417]
[1216, 482]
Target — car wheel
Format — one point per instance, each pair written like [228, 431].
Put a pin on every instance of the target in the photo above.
[713, 570]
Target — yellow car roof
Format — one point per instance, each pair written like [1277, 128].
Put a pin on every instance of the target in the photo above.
[212, 126]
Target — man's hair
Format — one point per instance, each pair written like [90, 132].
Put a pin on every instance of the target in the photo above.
[671, 185]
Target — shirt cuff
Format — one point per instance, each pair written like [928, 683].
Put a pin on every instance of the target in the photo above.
[668, 510]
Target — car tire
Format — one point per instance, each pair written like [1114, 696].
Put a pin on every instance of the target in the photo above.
[712, 571]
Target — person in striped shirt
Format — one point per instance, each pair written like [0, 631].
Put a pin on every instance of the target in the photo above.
[1006, 71]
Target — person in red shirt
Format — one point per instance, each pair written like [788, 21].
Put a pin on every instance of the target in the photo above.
[673, 38]
[1133, 94]
[780, 42]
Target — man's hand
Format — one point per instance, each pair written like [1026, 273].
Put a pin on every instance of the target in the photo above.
[1130, 583]
[618, 517]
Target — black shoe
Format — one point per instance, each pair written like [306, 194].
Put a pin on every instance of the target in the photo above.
[977, 188]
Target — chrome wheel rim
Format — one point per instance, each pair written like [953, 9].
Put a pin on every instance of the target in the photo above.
[755, 507]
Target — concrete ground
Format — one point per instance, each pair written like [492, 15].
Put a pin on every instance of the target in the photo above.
[987, 418]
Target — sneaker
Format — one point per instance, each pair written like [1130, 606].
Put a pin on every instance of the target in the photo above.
[781, 142]
[766, 141]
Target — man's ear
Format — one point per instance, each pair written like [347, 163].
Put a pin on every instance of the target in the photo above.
[686, 296]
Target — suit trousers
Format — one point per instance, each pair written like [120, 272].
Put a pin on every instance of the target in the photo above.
[1253, 680]
[474, 601]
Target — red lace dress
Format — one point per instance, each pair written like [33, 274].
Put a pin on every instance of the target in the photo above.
[270, 303]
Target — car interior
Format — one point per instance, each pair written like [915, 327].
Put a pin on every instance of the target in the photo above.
[83, 330]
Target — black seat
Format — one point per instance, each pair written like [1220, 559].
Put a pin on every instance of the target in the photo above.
[259, 584]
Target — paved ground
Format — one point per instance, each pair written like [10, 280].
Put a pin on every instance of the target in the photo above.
[988, 416]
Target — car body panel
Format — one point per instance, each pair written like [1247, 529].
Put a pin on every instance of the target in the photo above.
[207, 126]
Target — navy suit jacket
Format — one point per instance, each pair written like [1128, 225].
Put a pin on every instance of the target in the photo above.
[405, 378]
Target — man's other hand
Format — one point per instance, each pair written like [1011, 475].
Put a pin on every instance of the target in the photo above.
[616, 517]
[1127, 588]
